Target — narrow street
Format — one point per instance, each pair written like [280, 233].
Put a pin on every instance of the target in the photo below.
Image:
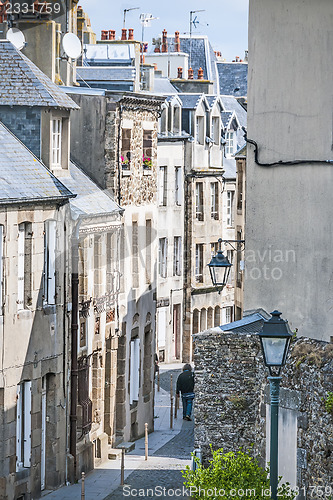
[169, 453]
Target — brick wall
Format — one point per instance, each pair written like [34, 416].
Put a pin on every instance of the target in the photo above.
[232, 395]
[25, 123]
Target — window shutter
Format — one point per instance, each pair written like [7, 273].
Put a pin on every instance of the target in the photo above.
[20, 266]
[27, 424]
[1, 269]
[161, 186]
[18, 428]
[137, 369]
[51, 261]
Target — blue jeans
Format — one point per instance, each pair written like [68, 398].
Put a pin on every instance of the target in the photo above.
[187, 399]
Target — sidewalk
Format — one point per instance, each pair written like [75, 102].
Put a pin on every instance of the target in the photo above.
[100, 482]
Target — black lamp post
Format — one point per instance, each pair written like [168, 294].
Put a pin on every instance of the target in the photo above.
[219, 268]
[275, 339]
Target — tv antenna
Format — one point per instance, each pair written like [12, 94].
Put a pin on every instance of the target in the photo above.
[145, 20]
[72, 45]
[125, 12]
[16, 37]
[193, 22]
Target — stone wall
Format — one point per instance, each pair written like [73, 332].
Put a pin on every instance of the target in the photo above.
[232, 400]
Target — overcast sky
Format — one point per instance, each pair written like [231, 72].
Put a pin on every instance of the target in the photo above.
[224, 21]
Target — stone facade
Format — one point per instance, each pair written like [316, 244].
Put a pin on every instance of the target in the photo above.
[232, 404]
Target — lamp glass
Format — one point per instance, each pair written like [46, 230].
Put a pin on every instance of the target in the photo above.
[274, 350]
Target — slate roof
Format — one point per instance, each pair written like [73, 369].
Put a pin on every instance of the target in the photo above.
[211, 99]
[249, 324]
[232, 76]
[190, 101]
[202, 56]
[225, 116]
[22, 83]
[230, 103]
[23, 178]
[164, 86]
[91, 200]
[106, 73]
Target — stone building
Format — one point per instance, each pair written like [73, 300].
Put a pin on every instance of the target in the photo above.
[35, 293]
[95, 241]
[114, 140]
[170, 281]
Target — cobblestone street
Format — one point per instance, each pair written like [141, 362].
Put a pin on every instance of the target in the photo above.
[162, 471]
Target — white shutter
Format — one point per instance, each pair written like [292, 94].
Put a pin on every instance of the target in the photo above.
[18, 427]
[20, 266]
[1, 268]
[131, 371]
[51, 243]
[27, 424]
[161, 331]
[137, 369]
[161, 186]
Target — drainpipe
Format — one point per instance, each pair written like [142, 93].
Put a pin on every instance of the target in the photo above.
[74, 335]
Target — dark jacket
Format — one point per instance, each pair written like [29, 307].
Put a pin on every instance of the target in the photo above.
[185, 382]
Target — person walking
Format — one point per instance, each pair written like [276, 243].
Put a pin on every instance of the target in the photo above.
[185, 385]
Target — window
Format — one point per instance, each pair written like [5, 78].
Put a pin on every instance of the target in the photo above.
[85, 419]
[49, 261]
[214, 248]
[230, 208]
[135, 254]
[215, 135]
[162, 187]
[199, 130]
[147, 148]
[56, 125]
[239, 188]
[199, 263]
[148, 250]
[112, 259]
[97, 266]
[163, 249]
[134, 370]
[23, 425]
[163, 121]
[230, 143]
[24, 271]
[214, 197]
[199, 208]
[126, 134]
[177, 251]
[176, 120]
[178, 186]
[228, 315]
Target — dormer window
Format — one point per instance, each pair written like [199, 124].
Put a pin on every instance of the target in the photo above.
[200, 130]
[215, 135]
[176, 120]
[230, 143]
[56, 129]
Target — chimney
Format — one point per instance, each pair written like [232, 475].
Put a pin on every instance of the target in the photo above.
[112, 34]
[104, 35]
[237, 58]
[155, 67]
[157, 49]
[164, 41]
[180, 72]
[124, 34]
[177, 42]
[200, 74]
[131, 34]
[190, 74]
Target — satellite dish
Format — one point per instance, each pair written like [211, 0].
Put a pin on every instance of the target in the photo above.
[16, 37]
[72, 45]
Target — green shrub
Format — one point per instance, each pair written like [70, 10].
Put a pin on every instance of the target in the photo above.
[234, 476]
[329, 403]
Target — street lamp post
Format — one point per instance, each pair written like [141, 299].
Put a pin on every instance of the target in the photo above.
[275, 339]
[219, 268]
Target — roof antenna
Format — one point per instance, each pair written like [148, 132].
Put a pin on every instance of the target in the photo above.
[125, 12]
[193, 22]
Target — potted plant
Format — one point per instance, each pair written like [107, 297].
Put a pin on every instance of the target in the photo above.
[147, 163]
[125, 163]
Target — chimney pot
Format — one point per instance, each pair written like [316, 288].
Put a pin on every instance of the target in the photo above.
[104, 35]
[157, 49]
[164, 41]
[190, 74]
[112, 34]
[180, 72]
[200, 74]
[124, 34]
[177, 42]
[131, 34]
